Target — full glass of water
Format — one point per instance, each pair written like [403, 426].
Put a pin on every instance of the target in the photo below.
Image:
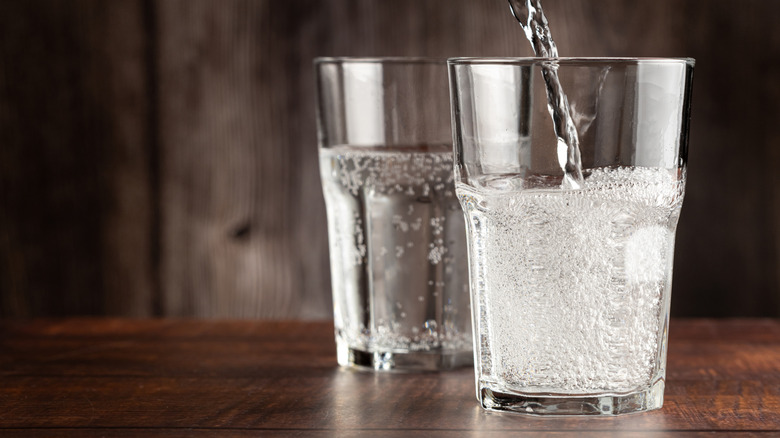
[395, 228]
[570, 245]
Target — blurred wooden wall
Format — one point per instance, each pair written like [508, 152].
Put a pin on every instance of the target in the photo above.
[159, 157]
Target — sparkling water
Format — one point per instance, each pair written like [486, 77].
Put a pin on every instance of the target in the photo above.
[397, 248]
[569, 285]
[531, 17]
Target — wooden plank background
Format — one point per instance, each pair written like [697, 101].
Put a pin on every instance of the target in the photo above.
[158, 157]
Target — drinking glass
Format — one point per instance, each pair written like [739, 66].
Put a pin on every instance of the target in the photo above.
[396, 231]
[570, 284]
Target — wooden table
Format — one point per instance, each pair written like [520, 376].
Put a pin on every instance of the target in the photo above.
[184, 378]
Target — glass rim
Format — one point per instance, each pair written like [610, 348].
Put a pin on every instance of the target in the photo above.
[379, 60]
[567, 60]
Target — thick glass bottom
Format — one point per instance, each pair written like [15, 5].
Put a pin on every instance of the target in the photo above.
[557, 404]
[402, 361]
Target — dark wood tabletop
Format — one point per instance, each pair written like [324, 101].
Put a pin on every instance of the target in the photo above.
[177, 378]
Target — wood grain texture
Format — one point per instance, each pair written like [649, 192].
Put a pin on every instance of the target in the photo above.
[74, 182]
[732, 188]
[192, 432]
[159, 156]
[228, 166]
[168, 378]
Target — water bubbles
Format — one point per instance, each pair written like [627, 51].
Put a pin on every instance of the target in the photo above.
[381, 201]
[400, 224]
[645, 254]
[436, 225]
[570, 284]
[435, 254]
[387, 171]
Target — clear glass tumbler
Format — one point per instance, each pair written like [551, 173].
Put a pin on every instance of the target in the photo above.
[396, 231]
[570, 284]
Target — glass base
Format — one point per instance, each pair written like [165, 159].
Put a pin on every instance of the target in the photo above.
[406, 361]
[557, 404]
